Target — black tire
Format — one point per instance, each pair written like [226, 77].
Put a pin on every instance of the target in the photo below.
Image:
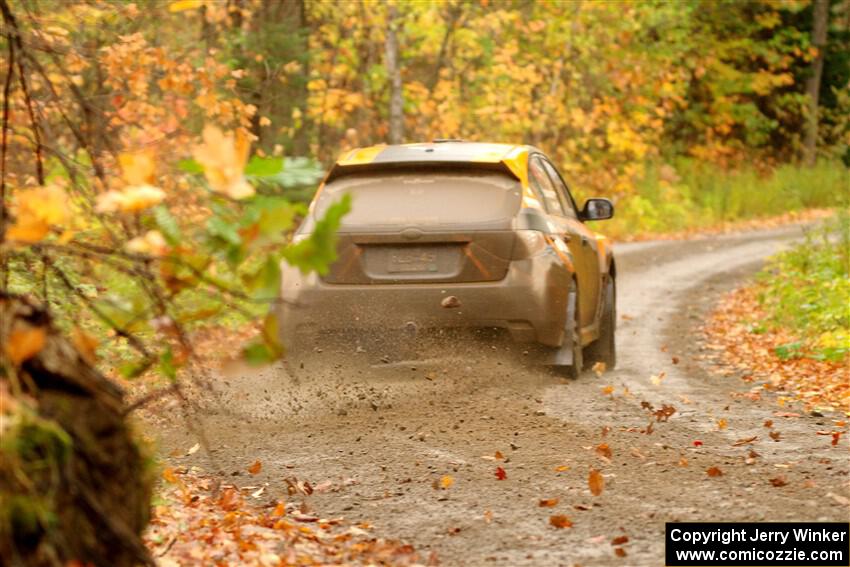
[571, 348]
[604, 349]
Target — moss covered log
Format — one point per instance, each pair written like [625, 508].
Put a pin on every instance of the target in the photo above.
[74, 484]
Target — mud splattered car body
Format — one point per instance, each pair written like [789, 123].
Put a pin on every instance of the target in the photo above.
[459, 234]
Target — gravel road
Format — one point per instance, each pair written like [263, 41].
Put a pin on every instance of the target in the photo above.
[376, 441]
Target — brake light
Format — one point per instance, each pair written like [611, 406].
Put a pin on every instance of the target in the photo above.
[529, 243]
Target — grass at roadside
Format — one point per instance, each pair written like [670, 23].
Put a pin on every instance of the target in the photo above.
[693, 196]
[807, 290]
[791, 327]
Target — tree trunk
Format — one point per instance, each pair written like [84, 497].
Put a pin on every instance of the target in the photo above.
[819, 31]
[74, 485]
[396, 133]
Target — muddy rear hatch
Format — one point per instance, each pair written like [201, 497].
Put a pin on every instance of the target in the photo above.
[423, 225]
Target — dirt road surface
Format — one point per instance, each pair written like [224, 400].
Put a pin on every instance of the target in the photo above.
[376, 441]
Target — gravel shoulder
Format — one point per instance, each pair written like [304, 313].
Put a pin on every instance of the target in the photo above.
[377, 441]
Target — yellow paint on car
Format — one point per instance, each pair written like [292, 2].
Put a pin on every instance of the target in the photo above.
[360, 156]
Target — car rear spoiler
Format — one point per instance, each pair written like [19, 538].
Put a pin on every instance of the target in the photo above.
[339, 170]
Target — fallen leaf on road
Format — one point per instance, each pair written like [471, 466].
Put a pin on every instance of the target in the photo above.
[620, 552]
[169, 476]
[657, 378]
[838, 498]
[745, 441]
[499, 455]
[193, 449]
[714, 472]
[596, 482]
[608, 390]
[778, 481]
[768, 423]
[636, 453]
[548, 502]
[604, 451]
[775, 435]
[488, 516]
[230, 499]
[786, 414]
[581, 507]
[560, 522]
[620, 540]
[664, 413]
[683, 462]
[675, 360]
[279, 510]
[446, 481]
[501, 474]
[255, 468]
[562, 468]
[598, 368]
[697, 443]
[722, 423]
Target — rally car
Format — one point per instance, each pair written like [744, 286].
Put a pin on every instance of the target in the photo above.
[453, 234]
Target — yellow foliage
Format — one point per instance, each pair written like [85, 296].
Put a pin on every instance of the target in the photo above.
[185, 5]
[38, 209]
[138, 168]
[223, 157]
[130, 200]
[152, 243]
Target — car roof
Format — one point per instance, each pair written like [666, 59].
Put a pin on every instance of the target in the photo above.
[449, 151]
[512, 157]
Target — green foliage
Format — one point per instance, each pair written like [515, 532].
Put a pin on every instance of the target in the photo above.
[807, 289]
[694, 195]
[318, 250]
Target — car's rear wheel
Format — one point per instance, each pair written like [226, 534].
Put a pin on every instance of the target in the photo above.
[604, 349]
[568, 358]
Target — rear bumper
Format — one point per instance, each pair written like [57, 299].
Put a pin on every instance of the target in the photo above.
[530, 303]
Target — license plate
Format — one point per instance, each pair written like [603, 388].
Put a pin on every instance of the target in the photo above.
[403, 261]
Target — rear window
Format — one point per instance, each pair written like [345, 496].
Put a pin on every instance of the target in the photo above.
[424, 198]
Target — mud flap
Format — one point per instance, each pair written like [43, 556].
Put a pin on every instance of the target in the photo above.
[566, 354]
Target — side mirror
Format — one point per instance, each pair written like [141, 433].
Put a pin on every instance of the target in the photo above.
[597, 209]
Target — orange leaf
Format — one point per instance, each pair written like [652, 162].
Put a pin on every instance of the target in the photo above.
[560, 522]
[714, 472]
[446, 481]
[603, 450]
[620, 552]
[778, 481]
[280, 509]
[620, 540]
[499, 455]
[255, 468]
[596, 482]
[169, 476]
[25, 343]
[229, 500]
[548, 502]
